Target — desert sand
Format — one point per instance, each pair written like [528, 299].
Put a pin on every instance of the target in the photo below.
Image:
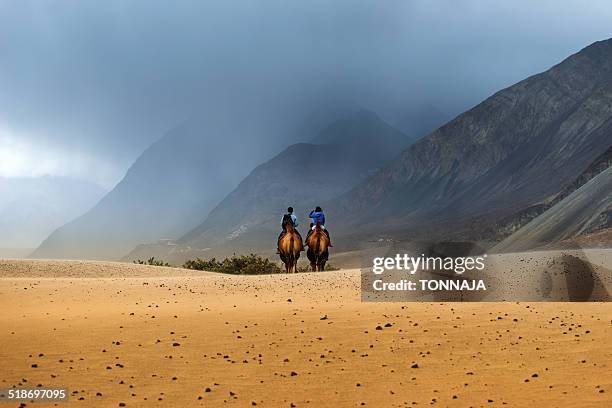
[132, 335]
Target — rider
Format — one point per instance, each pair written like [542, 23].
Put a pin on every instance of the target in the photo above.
[317, 215]
[287, 217]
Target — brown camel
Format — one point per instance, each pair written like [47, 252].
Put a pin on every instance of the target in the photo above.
[290, 246]
[318, 244]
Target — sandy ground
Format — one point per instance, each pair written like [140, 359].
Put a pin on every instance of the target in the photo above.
[131, 335]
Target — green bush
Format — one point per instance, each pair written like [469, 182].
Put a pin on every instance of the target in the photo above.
[237, 265]
[152, 261]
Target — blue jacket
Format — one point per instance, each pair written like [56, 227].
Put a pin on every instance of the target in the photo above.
[317, 216]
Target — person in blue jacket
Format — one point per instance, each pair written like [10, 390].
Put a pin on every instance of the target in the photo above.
[318, 215]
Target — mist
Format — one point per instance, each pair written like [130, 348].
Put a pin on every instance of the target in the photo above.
[85, 87]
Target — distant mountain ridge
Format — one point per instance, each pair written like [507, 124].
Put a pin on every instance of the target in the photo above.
[518, 147]
[364, 129]
[31, 208]
[303, 175]
[168, 189]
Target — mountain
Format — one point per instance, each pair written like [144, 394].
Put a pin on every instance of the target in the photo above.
[303, 176]
[422, 120]
[363, 130]
[511, 224]
[169, 189]
[31, 208]
[585, 211]
[514, 150]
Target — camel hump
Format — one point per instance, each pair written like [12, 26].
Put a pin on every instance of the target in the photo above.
[291, 242]
[318, 238]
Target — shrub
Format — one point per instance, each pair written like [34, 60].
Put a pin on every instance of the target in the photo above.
[202, 264]
[152, 261]
[237, 265]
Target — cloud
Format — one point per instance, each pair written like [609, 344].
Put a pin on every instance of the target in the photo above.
[21, 158]
[102, 80]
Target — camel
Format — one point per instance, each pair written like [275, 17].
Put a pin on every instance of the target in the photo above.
[290, 246]
[318, 244]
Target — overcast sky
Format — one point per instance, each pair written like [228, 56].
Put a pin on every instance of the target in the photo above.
[86, 86]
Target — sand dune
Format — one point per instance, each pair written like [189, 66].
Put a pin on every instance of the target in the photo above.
[132, 335]
[26, 268]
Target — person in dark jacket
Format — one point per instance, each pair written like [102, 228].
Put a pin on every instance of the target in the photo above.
[287, 217]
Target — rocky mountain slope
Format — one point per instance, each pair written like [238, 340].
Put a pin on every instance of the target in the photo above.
[511, 224]
[514, 150]
[585, 211]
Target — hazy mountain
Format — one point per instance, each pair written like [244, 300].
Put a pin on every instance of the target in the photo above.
[586, 210]
[303, 176]
[364, 130]
[31, 208]
[169, 189]
[515, 149]
[421, 121]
